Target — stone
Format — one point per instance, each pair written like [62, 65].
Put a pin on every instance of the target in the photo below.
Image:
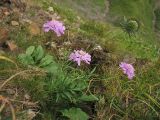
[6, 13]
[30, 114]
[98, 47]
[27, 97]
[34, 29]
[14, 23]
[27, 21]
[11, 45]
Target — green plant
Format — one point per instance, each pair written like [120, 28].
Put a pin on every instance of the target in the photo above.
[75, 114]
[35, 56]
[130, 26]
[94, 28]
[58, 90]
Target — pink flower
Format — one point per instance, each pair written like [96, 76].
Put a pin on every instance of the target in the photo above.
[128, 69]
[55, 26]
[79, 55]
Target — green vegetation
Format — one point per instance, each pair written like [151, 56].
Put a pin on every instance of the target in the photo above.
[59, 89]
[142, 10]
[89, 8]
[157, 15]
[98, 91]
[136, 45]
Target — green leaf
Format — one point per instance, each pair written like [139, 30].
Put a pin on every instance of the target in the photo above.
[51, 68]
[30, 50]
[48, 59]
[38, 53]
[68, 95]
[75, 114]
[80, 86]
[88, 98]
[26, 59]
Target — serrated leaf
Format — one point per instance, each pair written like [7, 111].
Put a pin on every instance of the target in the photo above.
[48, 59]
[26, 59]
[30, 50]
[75, 114]
[88, 98]
[38, 53]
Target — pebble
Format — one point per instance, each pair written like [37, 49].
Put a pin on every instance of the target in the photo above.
[34, 29]
[14, 23]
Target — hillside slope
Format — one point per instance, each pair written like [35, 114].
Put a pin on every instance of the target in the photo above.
[75, 71]
[141, 10]
[93, 9]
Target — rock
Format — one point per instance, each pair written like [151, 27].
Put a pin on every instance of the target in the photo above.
[3, 35]
[27, 97]
[97, 47]
[6, 10]
[30, 114]
[27, 21]
[34, 29]
[6, 13]
[11, 45]
[14, 23]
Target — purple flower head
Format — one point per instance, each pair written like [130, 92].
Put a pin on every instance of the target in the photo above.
[55, 26]
[79, 55]
[128, 69]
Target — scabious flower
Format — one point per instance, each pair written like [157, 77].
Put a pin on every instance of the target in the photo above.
[128, 69]
[55, 26]
[79, 55]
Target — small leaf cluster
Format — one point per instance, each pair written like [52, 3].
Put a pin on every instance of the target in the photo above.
[75, 114]
[35, 56]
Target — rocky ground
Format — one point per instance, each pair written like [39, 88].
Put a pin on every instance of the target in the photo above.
[14, 15]
[24, 16]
